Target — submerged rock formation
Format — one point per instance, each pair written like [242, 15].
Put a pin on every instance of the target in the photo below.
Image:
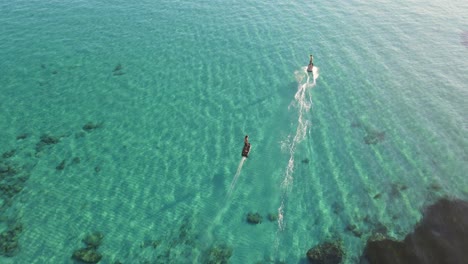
[89, 254]
[61, 166]
[46, 140]
[254, 218]
[22, 136]
[217, 254]
[440, 237]
[9, 154]
[13, 178]
[9, 245]
[118, 70]
[326, 253]
[90, 126]
[273, 217]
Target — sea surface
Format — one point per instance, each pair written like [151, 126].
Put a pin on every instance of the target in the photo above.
[128, 118]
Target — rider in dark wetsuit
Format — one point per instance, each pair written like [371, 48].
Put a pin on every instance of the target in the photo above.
[246, 149]
[311, 64]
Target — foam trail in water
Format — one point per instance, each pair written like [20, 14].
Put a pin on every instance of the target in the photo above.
[233, 183]
[303, 102]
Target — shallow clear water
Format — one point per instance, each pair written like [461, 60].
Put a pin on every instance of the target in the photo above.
[176, 85]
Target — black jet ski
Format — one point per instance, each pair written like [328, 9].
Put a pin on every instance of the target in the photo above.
[311, 64]
[246, 150]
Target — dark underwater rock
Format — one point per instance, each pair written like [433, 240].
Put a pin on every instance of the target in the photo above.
[9, 190]
[49, 140]
[254, 218]
[87, 255]
[440, 237]
[273, 217]
[61, 166]
[305, 161]
[21, 136]
[76, 160]
[88, 127]
[118, 70]
[12, 182]
[219, 254]
[9, 245]
[9, 154]
[46, 140]
[7, 170]
[326, 253]
[118, 67]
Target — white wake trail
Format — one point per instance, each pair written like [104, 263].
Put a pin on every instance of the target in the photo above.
[233, 183]
[303, 102]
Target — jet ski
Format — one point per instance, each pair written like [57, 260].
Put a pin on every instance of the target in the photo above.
[246, 150]
[311, 64]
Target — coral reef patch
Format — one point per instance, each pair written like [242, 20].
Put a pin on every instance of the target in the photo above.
[254, 218]
[273, 217]
[22, 136]
[13, 177]
[118, 70]
[61, 166]
[16, 166]
[76, 160]
[217, 254]
[9, 245]
[89, 254]
[46, 140]
[9, 154]
[326, 253]
[90, 126]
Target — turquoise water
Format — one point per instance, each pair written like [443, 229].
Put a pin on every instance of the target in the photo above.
[174, 87]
